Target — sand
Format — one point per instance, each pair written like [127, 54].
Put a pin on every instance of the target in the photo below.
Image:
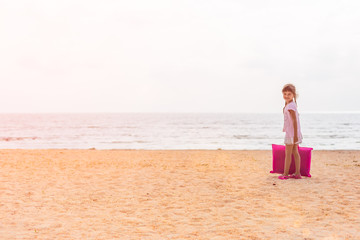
[175, 194]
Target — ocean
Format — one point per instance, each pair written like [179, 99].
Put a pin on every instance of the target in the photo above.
[235, 131]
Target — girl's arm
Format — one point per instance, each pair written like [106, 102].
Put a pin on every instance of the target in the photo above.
[293, 116]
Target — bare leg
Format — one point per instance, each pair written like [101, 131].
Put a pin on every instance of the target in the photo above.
[297, 159]
[288, 152]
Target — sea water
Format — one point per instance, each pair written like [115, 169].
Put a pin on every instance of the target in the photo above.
[236, 131]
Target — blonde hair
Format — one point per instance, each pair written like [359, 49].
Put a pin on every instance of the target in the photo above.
[290, 88]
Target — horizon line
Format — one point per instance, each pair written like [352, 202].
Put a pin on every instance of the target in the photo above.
[162, 112]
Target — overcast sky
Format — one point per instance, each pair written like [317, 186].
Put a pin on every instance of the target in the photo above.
[178, 55]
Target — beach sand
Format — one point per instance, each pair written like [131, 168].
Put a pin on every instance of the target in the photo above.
[175, 194]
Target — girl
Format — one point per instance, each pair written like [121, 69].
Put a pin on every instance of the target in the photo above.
[292, 131]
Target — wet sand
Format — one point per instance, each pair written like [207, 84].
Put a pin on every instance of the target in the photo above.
[175, 194]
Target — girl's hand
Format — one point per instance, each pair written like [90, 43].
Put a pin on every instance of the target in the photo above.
[293, 116]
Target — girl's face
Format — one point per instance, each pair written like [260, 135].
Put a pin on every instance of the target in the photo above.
[288, 96]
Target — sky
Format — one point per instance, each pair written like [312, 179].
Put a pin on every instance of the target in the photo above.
[178, 55]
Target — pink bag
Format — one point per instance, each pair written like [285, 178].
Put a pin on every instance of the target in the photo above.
[278, 152]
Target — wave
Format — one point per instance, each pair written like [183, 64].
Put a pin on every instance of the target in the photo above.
[9, 139]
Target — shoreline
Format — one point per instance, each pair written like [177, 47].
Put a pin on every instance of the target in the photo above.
[141, 149]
